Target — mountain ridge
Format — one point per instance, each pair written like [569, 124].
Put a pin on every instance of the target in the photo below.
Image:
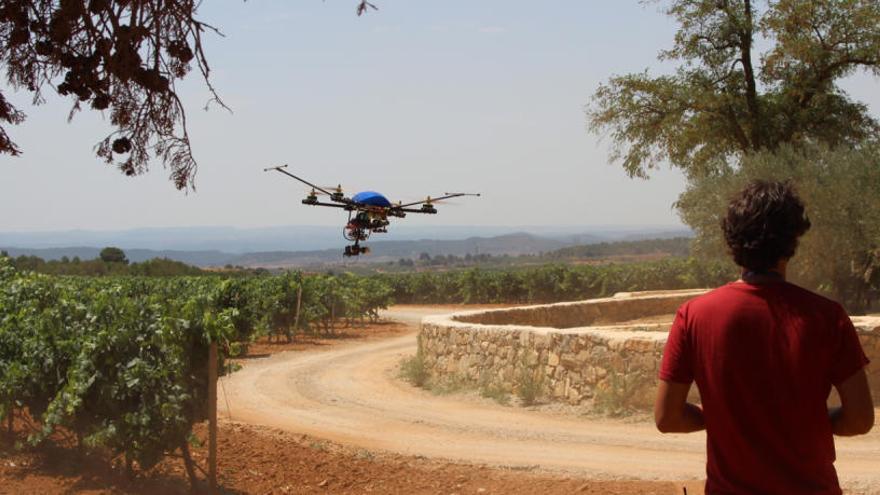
[513, 244]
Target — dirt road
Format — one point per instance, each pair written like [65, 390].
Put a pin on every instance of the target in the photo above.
[349, 394]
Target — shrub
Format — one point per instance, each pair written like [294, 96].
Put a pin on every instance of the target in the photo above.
[414, 370]
[530, 385]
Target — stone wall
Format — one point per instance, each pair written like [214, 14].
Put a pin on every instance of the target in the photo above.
[613, 311]
[611, 364]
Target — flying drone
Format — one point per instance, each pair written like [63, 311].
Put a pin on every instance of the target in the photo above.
[368, 211]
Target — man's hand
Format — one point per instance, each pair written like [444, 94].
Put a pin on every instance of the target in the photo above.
[673, 413]
[855, 416]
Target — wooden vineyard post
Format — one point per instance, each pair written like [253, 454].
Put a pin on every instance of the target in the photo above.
[332, 312]
[299, 299]
[10, 427]
[212, 418]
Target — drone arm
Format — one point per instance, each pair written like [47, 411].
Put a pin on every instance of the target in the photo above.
[454, 195]
[285, 172]
[445, 196]
[332, 205]
[415, 210]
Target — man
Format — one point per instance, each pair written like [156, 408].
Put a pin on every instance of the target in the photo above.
[764, 354]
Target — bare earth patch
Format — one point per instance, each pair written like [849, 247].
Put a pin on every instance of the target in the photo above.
[261, 460]
[266, 347]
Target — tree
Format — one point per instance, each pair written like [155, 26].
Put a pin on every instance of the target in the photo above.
[113, 255]
[119, 56]
[840, 255]
[727, 99]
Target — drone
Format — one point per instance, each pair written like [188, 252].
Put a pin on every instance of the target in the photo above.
[368, 211]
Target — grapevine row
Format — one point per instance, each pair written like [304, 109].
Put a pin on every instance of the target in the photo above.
[121, 362]
[554, 282]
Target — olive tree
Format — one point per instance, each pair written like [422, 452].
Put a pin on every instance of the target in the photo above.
[726, 98]
[840, 254]
[755, 94]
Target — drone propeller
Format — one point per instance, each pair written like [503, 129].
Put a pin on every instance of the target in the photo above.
[338, 189]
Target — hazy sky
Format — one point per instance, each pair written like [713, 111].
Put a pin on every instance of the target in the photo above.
[421, 97]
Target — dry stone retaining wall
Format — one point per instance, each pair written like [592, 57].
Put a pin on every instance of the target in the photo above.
[611, 364]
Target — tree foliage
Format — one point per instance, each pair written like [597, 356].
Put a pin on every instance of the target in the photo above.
[840, 255]
[113, 255]
[124, 57]
[119, 56]
[726, 98]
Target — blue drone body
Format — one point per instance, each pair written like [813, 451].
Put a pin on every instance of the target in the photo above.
[371, 198]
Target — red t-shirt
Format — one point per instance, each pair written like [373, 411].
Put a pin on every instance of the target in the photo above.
[764, 358]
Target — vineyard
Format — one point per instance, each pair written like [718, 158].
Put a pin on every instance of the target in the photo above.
[120, 363]
[554, 282]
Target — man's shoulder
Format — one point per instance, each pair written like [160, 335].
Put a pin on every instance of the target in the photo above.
[739, 291]
[813, 297]
[724, 292]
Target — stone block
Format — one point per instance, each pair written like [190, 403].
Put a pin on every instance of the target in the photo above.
[542, 341]
[531, 358]
[616, 345]
[565, 343]
[569, 360]
[639, 345]
[451, 366]
[598, 354]
[559, 389]
[508, 373]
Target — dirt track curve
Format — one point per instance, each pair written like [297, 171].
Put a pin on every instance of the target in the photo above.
[349, 394]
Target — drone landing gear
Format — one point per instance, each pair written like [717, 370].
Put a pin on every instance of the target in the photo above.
[358, 229]
[355, 250]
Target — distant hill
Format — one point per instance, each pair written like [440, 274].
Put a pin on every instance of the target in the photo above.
[235, 240]
[382, 251]
[675, 246]
[513, 244]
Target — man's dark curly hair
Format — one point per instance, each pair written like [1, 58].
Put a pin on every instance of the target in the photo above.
[763, 224]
